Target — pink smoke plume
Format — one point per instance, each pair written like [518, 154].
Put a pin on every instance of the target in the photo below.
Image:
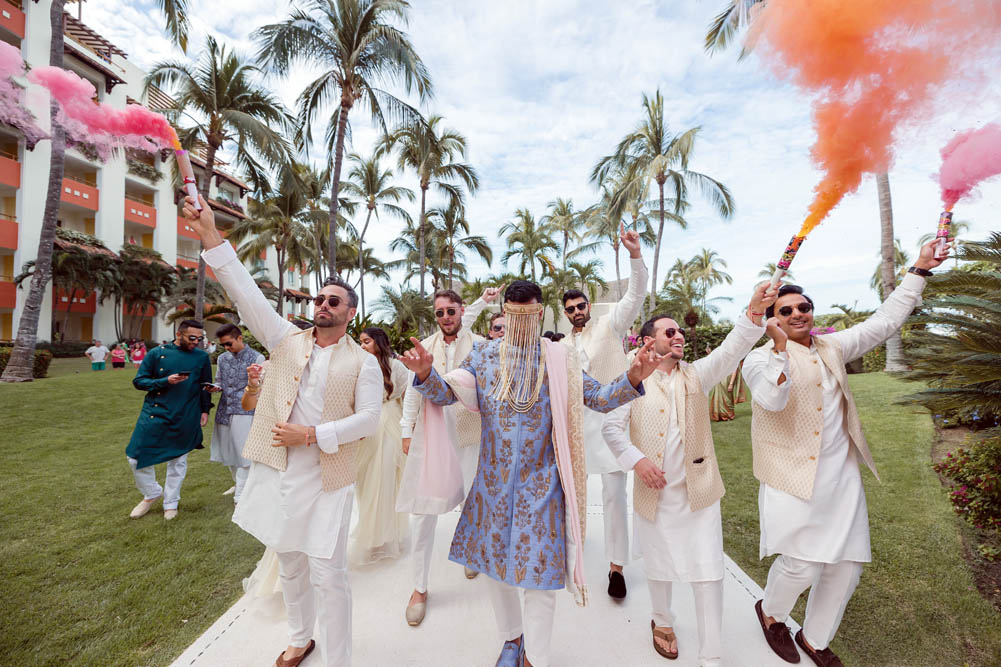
[107, 128]
[13, 110]
[971, 157]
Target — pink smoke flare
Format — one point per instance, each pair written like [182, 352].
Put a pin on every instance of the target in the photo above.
[971, 157]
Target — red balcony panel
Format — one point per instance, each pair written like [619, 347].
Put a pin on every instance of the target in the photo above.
[81, 194]
[8, 233]
[8, 294]
[10, 169]
[79, 304]
[140, 213]
[184, 229]
[11, 18]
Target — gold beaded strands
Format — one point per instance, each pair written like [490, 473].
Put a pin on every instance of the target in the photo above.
[520, 347]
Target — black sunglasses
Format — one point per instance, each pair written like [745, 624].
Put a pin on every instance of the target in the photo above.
[497, 327]
[332, 299]
[581, 307]
[670, 331]
[441, 312]
[195, 339]
[228, 344]
[804, 307]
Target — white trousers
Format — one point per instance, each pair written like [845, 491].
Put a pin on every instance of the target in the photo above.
[239, 474]
[613, 501]
[535, 622]
[708, 615]
[422, 527]
[171, 489]
[831, 586]
[318, 589]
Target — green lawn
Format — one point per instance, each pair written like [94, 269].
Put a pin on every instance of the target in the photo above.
[916, 603]
[82, 583]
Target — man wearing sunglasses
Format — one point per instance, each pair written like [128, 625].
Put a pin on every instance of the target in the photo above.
[170, 423]
[495, 330]
[322, 396]
[807, 442]
[449, 346]
[666, 439]
[599, 346]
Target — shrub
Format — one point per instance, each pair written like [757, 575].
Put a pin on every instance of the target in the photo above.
[975, 491]
[874, 361]
[65, 349]
[39, 369]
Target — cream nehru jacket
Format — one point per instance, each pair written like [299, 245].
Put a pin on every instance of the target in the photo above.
[786, 443]
[648, 423]
[467, 423]
[279, 394]
[606, 358]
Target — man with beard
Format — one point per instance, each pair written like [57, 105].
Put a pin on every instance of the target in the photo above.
[522, 522]
[322, 396]
[676, 511]
[598, 343]
[449, 346]
[806, 440]
[170, 423]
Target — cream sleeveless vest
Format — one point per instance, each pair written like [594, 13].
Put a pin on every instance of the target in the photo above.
[649, 418]
[467, 423]
[606, 359]
[786, 444]
[279, 393]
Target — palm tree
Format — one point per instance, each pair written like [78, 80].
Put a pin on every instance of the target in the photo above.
[528, 241]
[406, 308]
[371, 186]
[451, 223]
[650, 154]
[770, 269]
[849, 316]
[433, 154]
[355, 46]
[588, 277]
[900, 262]
[708, 268]
[222, 94]
[736, 16]
[564, 220]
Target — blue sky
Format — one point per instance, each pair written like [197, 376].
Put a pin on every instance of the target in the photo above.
[543, 89]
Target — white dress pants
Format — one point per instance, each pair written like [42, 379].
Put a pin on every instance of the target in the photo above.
[708, 615]
[423, 528]
[831, 586]
[317, 589]
[239, 474]
[613, 500]
[535, 622]
[171, 489]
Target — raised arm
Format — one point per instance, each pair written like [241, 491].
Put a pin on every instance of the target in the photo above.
[255, 310]
[628, 307]
[473, 310]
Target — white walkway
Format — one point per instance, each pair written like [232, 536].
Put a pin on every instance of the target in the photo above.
[459, 628]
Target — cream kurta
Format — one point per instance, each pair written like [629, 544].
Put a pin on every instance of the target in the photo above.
[834, 524]
[599, 459]
[679, 545]
[290, 511]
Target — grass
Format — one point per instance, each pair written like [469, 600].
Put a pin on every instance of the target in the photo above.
[916, 603]
[82, 583]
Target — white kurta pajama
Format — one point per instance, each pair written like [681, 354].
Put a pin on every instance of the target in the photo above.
[681, 545]
[289, 511]
[599, 459]
[824, 540]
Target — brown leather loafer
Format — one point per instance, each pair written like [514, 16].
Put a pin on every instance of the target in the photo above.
[282, 662]
[823, 658]
[778, 637]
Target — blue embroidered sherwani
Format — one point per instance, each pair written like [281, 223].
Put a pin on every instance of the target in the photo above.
[512, 526]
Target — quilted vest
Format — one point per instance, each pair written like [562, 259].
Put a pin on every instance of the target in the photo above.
[786, 444]
[467, 423]
[606, 359]
[279, 393]
[648, 423]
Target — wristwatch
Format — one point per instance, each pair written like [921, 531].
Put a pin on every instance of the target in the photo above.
[925, 273]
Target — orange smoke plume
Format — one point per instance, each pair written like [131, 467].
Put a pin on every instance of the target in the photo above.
[871, 67]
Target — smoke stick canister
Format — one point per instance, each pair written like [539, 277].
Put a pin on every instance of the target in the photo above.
[188, 175]
[786, 259]
[944, 226]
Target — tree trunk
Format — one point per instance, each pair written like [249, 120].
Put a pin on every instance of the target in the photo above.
[335, 188]
[420, 236]
[280, 258]
[22, 357]
[66, 317]
[618, 275]
[566, 242]
[888, 269]
[199, 307]
[361, 263]
[451, 262]
[656, 253]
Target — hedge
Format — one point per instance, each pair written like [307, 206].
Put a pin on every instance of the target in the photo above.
[40, 368]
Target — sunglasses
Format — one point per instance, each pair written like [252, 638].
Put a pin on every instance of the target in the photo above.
[229, 344]
[441, 312]
[670, 331]
[805, 307]
[195, 339]
[497, 327]
[580, 307]
[332, 299]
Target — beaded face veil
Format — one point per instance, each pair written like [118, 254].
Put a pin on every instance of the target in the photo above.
[522, 364]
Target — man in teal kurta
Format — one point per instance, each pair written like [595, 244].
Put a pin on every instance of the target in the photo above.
[170, 423]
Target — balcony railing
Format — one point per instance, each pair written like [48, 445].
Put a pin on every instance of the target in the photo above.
[140, 212]
[8, 231]
[11, 17]
[10, 168]
[80, 193]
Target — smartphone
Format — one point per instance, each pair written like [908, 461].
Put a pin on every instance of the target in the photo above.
[184, 374]
[211, 385]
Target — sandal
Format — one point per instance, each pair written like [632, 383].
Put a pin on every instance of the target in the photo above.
[666, 635]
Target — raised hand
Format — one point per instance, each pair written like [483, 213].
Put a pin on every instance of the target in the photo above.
[763, 297]
[490, 294]
[776, 333]
[418, 360]
[644, 363]
[930, 257]
[203, 221]
[630, 240]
